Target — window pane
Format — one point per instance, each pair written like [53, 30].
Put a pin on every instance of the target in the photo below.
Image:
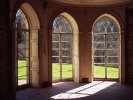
[55, 59]
[112, 72]
[99, 71]
[66, 60]
[112, 52]
[113, 45]
[66, 41]
[65, 44]
[55, 37]
[61, 25]
[112, 37]
[55, 52]
[99, 59]
[99, 45]
[105, 25]
[99, 38]
[99, 53]
[112, 59]
[66, 70]
[22, 80]
[55, 45]
[55, 71]
[21, 20]
[22, 72]
[66, 37]
[22, 36]
[23, 63]
[66, 53]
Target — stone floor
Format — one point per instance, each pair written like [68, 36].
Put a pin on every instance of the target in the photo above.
[98, 90]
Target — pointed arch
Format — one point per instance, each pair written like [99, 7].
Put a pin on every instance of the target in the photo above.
[75, 44]
[109, 16]
[34, 26]
[116, 30]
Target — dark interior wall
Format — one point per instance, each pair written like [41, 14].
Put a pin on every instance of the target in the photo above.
[6, 86]
[129, 45]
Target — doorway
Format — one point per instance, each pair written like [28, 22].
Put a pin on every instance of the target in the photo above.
[62, 47]
[106, 49]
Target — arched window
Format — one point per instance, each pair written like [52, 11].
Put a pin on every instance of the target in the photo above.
[22, 48]
[62, 39]
[106, 48]
[26, 28]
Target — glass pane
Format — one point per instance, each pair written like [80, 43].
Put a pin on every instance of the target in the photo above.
[66, 53]
[112, 59]
[21, 20]
[99, 71]
[99, 45]
[66, 60]
[66, 70]
[55, 52]
[105, 25]
[55, 59]
[99, 38]
[23, 63]
[22, 72]
[113, 45]
[66, 41]
[23, 53]
[99, 53]
[22, 80]
[65, 45]
[55, 44]
[61, 25]
[112, 37]
[55, 71]
[112, 71]
[112, 52]
[66, 37]
[55, 37]
[22, 36]
[99, 59]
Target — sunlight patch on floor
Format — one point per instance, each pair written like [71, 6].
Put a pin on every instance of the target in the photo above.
[84, 91]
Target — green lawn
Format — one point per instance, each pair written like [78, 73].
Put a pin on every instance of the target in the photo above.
[22, 69]
[67, 71]
[99, 72]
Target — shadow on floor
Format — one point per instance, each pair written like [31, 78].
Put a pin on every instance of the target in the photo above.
[98, 90]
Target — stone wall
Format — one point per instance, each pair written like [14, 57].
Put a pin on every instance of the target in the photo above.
[129, 45]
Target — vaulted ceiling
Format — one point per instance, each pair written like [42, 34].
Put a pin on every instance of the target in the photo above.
[92, 2]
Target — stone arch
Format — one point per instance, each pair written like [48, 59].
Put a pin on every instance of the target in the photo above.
[121, 55]
[75, 56]
[34, 26]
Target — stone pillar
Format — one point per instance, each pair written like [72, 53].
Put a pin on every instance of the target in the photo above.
[5, 52]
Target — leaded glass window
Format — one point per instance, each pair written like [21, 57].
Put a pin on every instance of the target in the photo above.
[22, 48]
[105, 25]
[61, 25]
[106, 48]
[62, 39]
[21, 20]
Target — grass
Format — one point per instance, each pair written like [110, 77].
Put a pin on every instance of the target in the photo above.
[22, 69]
[99, 72]
[67, 71]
